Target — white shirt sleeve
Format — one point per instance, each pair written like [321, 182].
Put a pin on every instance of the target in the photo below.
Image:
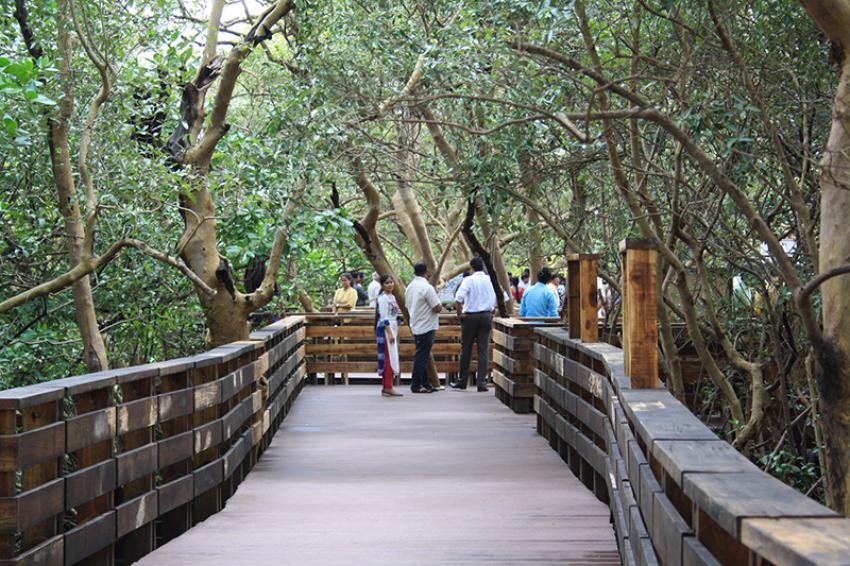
[462, 290]
[431, 297]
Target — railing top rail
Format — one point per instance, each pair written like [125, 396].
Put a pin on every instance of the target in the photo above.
[516, 322]
[39, 393]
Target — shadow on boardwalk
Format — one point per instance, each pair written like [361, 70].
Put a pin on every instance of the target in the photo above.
[447, 478]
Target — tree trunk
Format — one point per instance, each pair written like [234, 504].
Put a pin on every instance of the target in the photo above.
[535, 253]
[94, 349]
[227, 311]
[407, 161]
[405, 224]
[833, 371]
[832, 349]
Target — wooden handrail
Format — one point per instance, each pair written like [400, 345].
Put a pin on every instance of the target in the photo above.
[678, 494]
[89, 463]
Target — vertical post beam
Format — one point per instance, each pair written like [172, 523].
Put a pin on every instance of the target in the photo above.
[574, 295]
[8, 421]
[583, 297]
[640, 318]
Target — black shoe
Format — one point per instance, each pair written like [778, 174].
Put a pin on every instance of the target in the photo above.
[483, 389]
[456, 385]
[421, 390]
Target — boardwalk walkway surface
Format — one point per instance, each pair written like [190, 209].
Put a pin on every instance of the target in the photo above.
[450, 478]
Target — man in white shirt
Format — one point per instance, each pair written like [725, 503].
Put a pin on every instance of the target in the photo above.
[374, 290]
[424, 306]
[475, 301]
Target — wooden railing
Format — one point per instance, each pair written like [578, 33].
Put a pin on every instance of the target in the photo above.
[678, 494]
[513, 360]
[103, 468]
[339, 346]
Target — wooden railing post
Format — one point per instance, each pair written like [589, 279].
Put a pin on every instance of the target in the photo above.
[582, 297]
[640, 325]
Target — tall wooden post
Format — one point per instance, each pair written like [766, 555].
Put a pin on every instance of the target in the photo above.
[582, 297]
[640, 323]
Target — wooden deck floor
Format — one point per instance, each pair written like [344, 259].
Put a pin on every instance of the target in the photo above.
[449, 478]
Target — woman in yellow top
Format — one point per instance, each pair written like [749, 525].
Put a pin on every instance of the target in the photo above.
[345, 299]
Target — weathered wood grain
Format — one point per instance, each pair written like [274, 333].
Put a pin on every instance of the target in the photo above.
[730, 497]
[799, 541]
[32, 507]
[135, 513]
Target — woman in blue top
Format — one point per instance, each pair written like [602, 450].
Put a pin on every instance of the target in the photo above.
[386, 330]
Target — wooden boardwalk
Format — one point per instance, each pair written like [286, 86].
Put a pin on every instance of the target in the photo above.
[449, 478]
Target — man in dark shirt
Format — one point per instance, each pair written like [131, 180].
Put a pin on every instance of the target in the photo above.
[362, 296]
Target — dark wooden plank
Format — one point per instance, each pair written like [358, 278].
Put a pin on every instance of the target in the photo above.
[176, 493]
[135, 513]
[89, 483]
[208, 435]
[175, 404]
[648, 488]
[90, 428]
[20, 451]
[236, 417]
[695, 554]
[85, 540]
[175, 448]
[49, 553]
[231, 384]
[657, 415]
[729, 497]
[799, 541]
[137, 463]
[208, 476]
[124, 376]
[103, 380]
[32, 507]
[22, 397]
[233, 457]
[207, 395]
[668, 530]
[679, 457]
[33, 418]
[136, 414]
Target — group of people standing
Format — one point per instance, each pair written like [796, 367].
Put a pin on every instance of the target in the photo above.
[475, 301]
[351, 293]
[545, 298]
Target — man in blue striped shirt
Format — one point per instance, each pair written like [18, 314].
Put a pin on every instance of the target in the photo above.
[538, 300]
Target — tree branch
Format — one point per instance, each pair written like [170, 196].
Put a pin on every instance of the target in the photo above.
[91, 264]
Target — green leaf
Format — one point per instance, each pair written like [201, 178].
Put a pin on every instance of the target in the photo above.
[41, 99]
[10, 125]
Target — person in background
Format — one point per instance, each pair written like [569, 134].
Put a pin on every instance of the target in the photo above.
[514, 288]
[345, 298]
[362, 296]
[558, 280]
[553, 285]
[523, 284]
[538, 300]
[475, 301]
[374, 290]
[386, 332]
[424, 306]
